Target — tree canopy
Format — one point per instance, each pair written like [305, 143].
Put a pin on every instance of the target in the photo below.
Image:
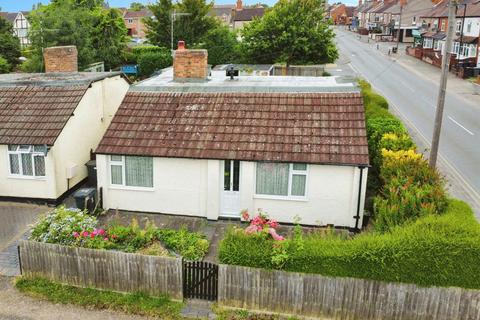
[137, 6]
[222, 45]
[98, 33]
[9, 46]
[292, 32]
[190, 28]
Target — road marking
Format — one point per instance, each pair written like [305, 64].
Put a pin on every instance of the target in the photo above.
[460, 125]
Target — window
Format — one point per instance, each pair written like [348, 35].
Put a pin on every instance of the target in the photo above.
[427, 43]
[131, 171]
[27, 160]
[456, 47]
[444, 25]
[281, 179]
[414, 20]
[467, 51]
[458, 27]
[469, 27]
[130, 20]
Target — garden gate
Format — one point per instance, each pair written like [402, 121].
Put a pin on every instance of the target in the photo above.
[200, 280]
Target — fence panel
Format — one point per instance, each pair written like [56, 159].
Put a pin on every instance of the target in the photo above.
[341, 298]
[103, 269]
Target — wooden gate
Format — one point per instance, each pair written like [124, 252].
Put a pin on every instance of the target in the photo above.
[200, 280]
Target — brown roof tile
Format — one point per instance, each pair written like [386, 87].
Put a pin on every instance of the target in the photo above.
[36, 114]
[301, 127]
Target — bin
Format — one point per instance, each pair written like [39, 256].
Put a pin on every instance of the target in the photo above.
[92, 173]
[85, 196]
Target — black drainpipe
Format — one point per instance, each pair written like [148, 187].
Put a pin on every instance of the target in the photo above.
[357, 217]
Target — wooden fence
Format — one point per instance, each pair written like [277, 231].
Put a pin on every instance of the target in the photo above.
[103, 269]
[341, 298]
[307, 71]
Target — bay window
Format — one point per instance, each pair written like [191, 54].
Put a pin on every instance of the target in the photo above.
[427, 43]
[131, 171]
[287, 180]
[27, 161]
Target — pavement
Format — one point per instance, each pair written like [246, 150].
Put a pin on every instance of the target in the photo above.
[16, 219]
[411, 88]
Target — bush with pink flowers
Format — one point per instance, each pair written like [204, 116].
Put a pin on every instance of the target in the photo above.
[261, 224]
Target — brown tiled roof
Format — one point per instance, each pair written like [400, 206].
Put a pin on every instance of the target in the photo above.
[327, 128]
[36, 114]
[9, 16]
[137, 14]
[247, 14]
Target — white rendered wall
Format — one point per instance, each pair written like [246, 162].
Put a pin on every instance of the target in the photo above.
[85, 129]
[43, 187]
[194, 187]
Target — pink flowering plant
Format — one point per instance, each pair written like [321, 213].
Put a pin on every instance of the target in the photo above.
[96, 238]
[261, 224]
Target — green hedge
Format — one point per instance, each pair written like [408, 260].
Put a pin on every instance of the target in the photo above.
[432, 251]
[149, 62]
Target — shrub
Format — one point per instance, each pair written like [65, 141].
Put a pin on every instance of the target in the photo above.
[140, 50]
[396, 142]
[432, 251]
[370, 98]
[59, 225]
[190, 245]
[149, 62]
[5, 67]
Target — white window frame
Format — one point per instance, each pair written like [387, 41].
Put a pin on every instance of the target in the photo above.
[290, 197]
[130, 20]
[458, 26]
[27, 149]
[123, 185]
[427, 43]
[456, 48]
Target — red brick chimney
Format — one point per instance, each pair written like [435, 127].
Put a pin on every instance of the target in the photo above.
[189, 64]
[239, 5]
[61, 59]
[359, 3]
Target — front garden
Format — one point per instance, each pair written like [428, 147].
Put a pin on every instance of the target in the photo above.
[418, 234]
[73, 227]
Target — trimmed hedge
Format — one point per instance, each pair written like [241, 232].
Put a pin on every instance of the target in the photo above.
[432, 251]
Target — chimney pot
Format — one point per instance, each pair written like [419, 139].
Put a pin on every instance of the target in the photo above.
[239, 5]
[61, 59]
[181, 45]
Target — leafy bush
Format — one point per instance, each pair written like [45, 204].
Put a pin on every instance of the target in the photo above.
[59, 225]
[149, 62]
[76, 228]
[370, 98]
[432, 251]
[190, 245]
[140, 50]
[5, 67]
[396, 142]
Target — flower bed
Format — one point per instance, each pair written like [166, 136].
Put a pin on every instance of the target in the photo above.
[73, 227]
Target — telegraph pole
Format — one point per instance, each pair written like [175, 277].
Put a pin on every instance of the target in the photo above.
[443, 84]
[399, 24]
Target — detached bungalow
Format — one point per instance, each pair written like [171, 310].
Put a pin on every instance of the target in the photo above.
[50, 123]
[187, 143]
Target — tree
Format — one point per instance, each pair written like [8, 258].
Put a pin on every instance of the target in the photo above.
[98, 33]
[137, 6]
[9, 45]
[189, 28]
[292, 32]
[4, 65]
[222, 45]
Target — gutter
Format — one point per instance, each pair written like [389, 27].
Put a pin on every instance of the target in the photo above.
[357, 216]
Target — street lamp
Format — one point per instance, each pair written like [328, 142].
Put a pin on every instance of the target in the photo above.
[172, 19]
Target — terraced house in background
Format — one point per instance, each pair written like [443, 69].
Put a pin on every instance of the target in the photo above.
[189, 143]
[50, 123]
[20, 25]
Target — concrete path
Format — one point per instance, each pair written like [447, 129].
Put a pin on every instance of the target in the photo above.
[411, 87]
[17, 306]
[15, 222]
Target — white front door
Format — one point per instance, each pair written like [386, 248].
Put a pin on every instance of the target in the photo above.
[231, 189]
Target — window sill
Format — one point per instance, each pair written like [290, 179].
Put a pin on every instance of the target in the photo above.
[27, 178]
[127, 188]
[284, 198]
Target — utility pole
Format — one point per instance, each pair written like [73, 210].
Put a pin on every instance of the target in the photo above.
[399, 25]
[443, 83]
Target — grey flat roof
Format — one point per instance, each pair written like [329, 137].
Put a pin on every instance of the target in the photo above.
[53, 79]
[219, 82]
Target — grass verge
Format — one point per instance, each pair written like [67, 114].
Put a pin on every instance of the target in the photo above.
[132, 303]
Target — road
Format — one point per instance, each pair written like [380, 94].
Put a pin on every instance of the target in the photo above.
[413, 97]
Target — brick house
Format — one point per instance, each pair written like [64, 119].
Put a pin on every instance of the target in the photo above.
[134, 22]
[50, 123]
[465, 51]
[341, 14]
[244, 15]
[187, 142]
[223, 12]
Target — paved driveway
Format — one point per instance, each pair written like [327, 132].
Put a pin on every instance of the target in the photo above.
[15, 221]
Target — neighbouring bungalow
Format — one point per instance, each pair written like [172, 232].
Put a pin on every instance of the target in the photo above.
[50, 123]
[199, 143]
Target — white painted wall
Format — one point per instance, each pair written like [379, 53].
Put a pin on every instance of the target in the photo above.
[474, 25]
[86, 128]
[82, 132]
[194, 187]
[11, 186]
